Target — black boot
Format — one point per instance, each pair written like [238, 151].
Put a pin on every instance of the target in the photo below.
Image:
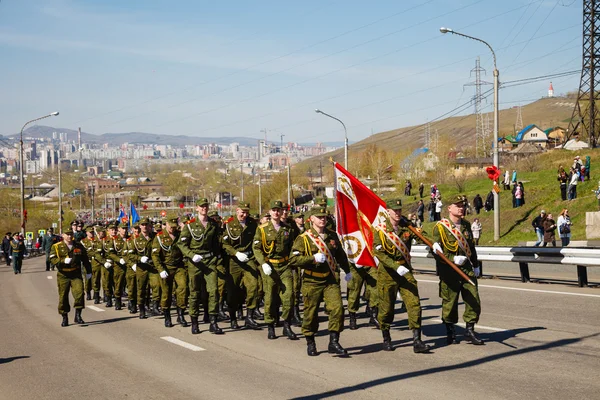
[96, 298]
[296, 320]
[257, 315]
[233, 319]
[214, 326]
[249, 321]
[181, 317]
[195, 328]
[105, 298]
[287, 331]
[134, 308]
[418, 345]
[167, 314]
[450, 334]
[471, 336]
[65, 321]
[353, 325]
[118, 303]
[387, 340]
[334, 344]
[222, 314]
[109, 301]
[311, 346]
[88, 296]
[240, 312]
[154, 310]
[373, 319]
[143, 311]
[78, 319]
[271, 331]
[129, 306]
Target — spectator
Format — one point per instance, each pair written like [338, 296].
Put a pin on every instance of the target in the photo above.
[438, 209]
[564, 227]
[476, 228]
[6, 247]
[549, 231]
[588, 165]
[514, 196]
[407, 188]
[489, 202]
[414, 220]
[477, 203]
[597, 193]
[522, 193]
[573, 179]
[514, 177]
[431, 209]
[538, 227]
[564, 180]
[506, 181]
[420, 212]
[421, 189]
[518, 195]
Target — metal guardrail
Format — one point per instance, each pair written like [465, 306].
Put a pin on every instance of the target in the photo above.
[581, 258]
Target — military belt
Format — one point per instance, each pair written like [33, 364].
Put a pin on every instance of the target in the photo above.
[69, 269]
[207, 254]
[317, 274]
[278, 260]
[401, 262]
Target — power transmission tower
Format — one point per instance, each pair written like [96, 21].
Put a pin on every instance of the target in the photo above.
[585, 121]
[428, 137]
[479, 128]
[519, 123]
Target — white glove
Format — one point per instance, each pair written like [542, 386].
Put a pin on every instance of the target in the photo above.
[477, 271]
[68, 260]
[122, 261]
[164, 274]
[10, 257]
[107, 265]
[196, 258]
[437, 248]
[134, 267]
[319, 258]
[348, 277]
[267, 269]
[144, 259]
[88, 276]
[460, 260]
[402, 270]
[241, 256]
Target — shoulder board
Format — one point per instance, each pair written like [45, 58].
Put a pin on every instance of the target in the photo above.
[229, 220]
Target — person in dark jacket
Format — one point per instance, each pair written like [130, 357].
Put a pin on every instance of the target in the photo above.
[549, 231]
[489, 202]
[6, 247]
[477, 203]
[420, 209]
[421, 189]
[563, 179]
[49, 239]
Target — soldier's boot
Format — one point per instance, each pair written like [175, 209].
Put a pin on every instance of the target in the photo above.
[334, 344]
[168, 322]
[143, 311]
[181, 317]
[129, 306]
[240, 312]
[221, 313]
[249, 321]
[296, 320]
[109, 302]
[311, 346]
[104, 298]
[88, 296]
[154, 310]
[214, 326]
[387, 340]
[373, 319]
[353, 325]
[118, 303]
[65, 320]
[134, 308]
[418, 345]
[471, 336]
[78, 319]
[195, 328]
[287, 331]
[271, 331]
[368, 310]
[257, 315]
[206, 317]
[96, 298]
[233, 319]
[451, 334]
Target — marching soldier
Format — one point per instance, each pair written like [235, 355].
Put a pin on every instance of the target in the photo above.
[117, 252]
[296, 223]
[391, 245]
[68, 256]
[364, 276]
[272, 245]
[319, 252]
[98, 261]
[168, 260]
[88, 243]
[199, 244]
[155, 279]
[49, 240]
[108, 271]
[17, 252]
[237, 238]
[222, 273]
[130, 275]
[141, 244]
[453, 237]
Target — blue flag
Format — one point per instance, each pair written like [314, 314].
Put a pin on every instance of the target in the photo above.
[133, 215]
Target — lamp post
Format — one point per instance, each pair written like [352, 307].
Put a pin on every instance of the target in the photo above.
[495, 160]
[23, 166]
[345, 135]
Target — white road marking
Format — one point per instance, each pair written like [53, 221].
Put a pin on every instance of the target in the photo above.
[182, 343]
[527, 290]
[49, 277]
[485, 328]
[95, 308]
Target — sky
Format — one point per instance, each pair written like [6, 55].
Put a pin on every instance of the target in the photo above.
[240, 68]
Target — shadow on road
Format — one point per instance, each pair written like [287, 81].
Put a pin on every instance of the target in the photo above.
[10, 359]
[107, 321]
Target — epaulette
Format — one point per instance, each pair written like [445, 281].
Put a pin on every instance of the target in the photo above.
[228, 220]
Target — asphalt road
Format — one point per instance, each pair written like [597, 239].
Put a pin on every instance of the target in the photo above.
[543, 341]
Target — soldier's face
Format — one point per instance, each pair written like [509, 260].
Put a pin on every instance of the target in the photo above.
[284, 213]
[456, 210]
[122, 231]
[299, 221]
[318, 222]
[90, 235]
[171, 228]
[241, 214]
[68, 238]
[202, 210]
[145, 228]
[112, 231]
[395, 215]
[275, 214]
[101, 234]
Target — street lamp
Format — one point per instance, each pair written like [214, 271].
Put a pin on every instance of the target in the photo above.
[23, 166]
[345, 135]
[496, 124]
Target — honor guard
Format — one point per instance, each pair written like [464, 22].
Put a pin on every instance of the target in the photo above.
[130, 275]
[319, 252]
[453, 237]
[68, 257]
[98, 260]
[17, 252]
[49, 240]
[108, 272]
[142, 264]
[222, 273]
[391, 246]
[117, 252]
[88, 243]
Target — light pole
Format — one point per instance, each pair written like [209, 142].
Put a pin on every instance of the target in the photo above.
[495, 159]
[23, 166]
[345, 135]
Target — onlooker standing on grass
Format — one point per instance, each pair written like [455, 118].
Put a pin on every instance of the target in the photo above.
[438, 209]
[597, 193]
[506, 182]
[421, 188]
[477, 203]
[588, 165]
[420, 211]
[489, 202]
[564, 227]
[564, 180]
[431, 209]
[476, 228]
[549, 231]
[574, 178]
[518, 194]
[538, 226]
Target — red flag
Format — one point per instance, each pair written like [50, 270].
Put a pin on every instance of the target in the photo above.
[357, 211]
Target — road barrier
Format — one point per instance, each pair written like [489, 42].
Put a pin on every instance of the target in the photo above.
[581, 258]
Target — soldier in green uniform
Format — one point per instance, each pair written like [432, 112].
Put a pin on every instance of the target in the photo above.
[78, 231]
[319, 252]
[238, 234]
[155, 279]
[272, 246]
[17, 252]
[142, 263]
[199, 243]
[68, 256]
[362, 277]
[222, 272]
[108, 280]
[98, 260]
[88, 243]
[117, 252]
[130, 274]
[391, 246]
[298, 229]
[168, 260]
[49, 239]
[453, 237]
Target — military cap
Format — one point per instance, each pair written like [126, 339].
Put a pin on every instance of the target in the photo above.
[322, 200]
[100, 228]
[267, 215]
[49, 230]
[144, 220]
[113, 224]
[202, 201]
[213, 213]
[298, 215]
[9, 233]
[73, 223]
[276, 204]
[158, 225]
[458, 199]
[319, 212]
[89, 229]
[244, 206]
[394, 204]
[68, 232]
[173, 222]
[123, 225]
[255, 216]
[81, 224]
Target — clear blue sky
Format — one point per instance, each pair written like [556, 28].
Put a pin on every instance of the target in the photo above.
[232, 68]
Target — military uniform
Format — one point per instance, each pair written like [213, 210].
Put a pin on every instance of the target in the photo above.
[97, 259]
[17, 252]
[88, 244]
[222, 271]
[130, 277]
[367, 277]
[108, 281]
[49, 240]
[168, 260]
[296, 278]
[117, 252]
[141, 257]
[456, 241]
[68, 262]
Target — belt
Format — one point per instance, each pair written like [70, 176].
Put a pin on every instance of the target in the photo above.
[401, 262]
[207, 254]
[69, 269]
[317, 274]
[278, 261]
